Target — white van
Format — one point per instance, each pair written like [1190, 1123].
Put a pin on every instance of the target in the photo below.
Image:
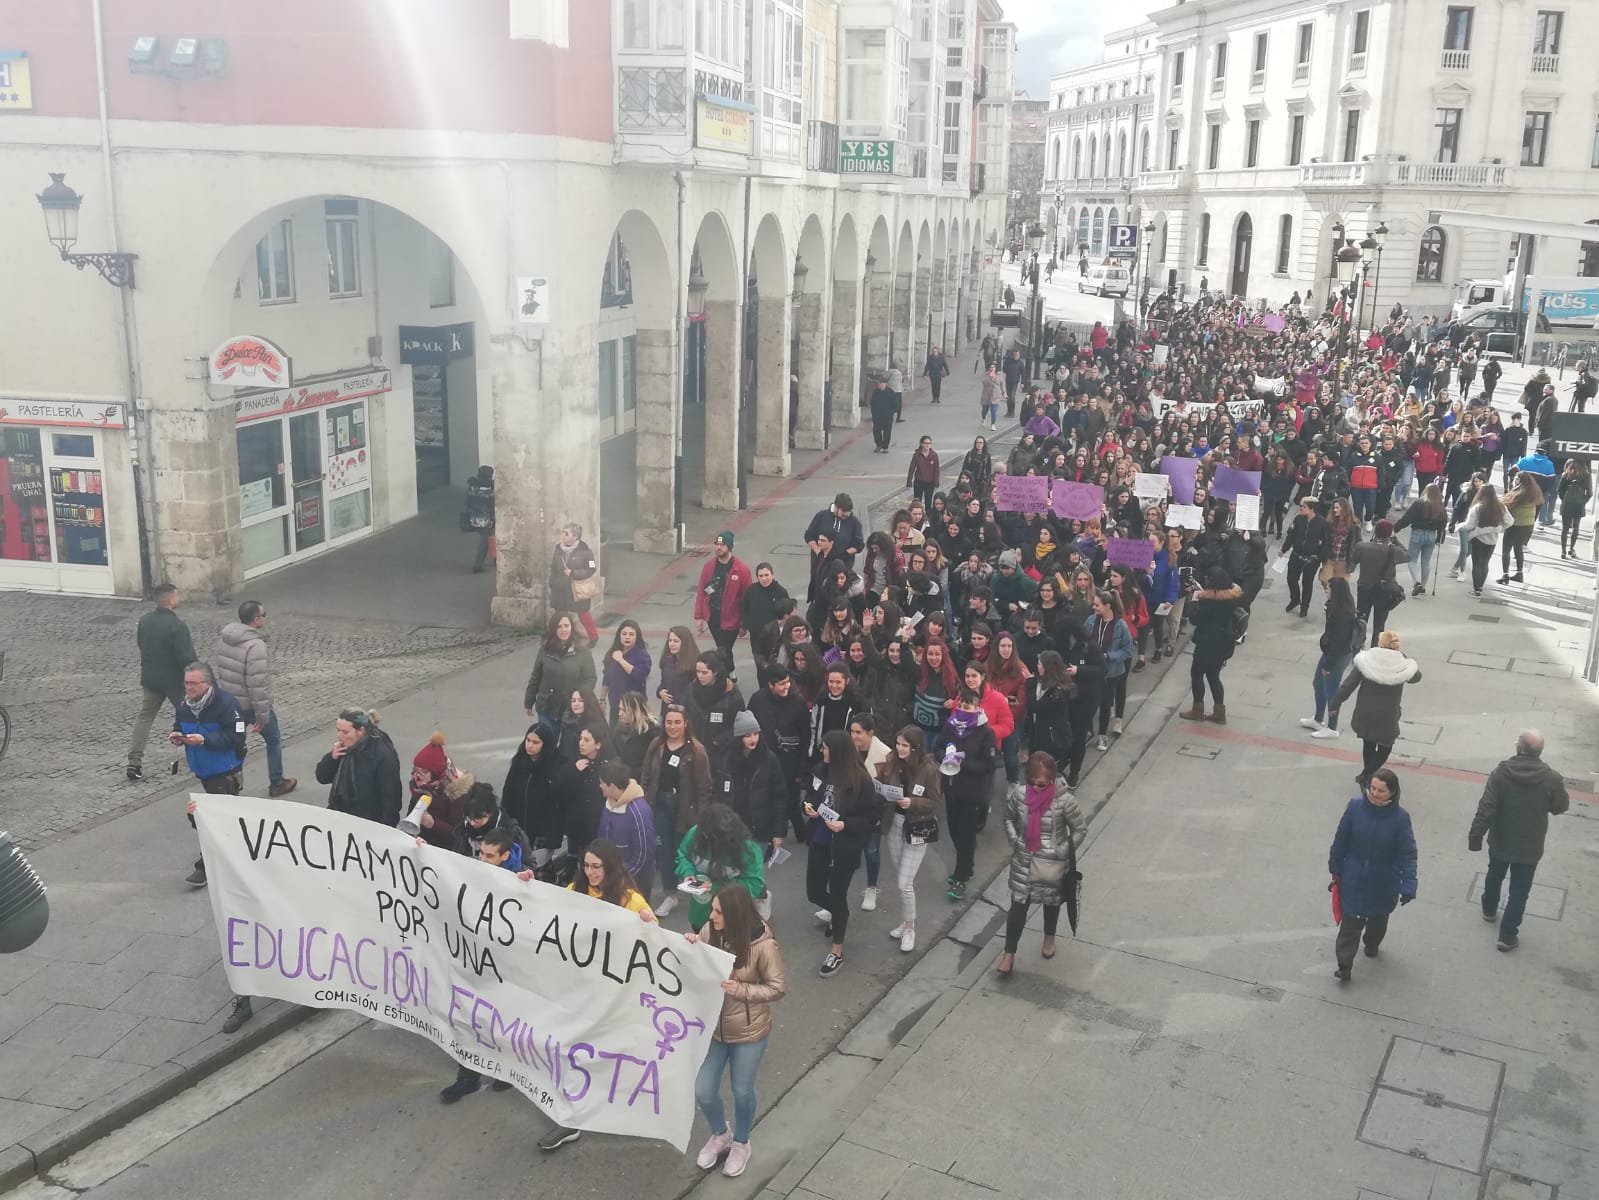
[1106, 280]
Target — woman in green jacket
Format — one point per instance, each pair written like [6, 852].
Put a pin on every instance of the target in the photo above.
[714, 853]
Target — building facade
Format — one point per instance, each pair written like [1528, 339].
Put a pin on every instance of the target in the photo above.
[595, 269]
[1029, 121]
[1269, 123]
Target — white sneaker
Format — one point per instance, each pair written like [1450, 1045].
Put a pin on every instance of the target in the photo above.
[823, 915]
[1116, 726]
[993, 426]
[1309, 723]
[897, 930]
[907, 940]
[1103, 743]
[666, 907]
[1325, 733]
[869, 900]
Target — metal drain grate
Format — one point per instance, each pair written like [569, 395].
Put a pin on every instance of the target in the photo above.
[1481, 617]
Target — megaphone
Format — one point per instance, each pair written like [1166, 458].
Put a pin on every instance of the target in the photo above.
[24, 911]
[411, 823]
[952, 760]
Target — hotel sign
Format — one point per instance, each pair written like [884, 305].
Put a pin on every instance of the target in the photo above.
[721, 124]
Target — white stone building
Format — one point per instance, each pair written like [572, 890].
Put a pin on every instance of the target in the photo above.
[1270, 121]
[584, 243]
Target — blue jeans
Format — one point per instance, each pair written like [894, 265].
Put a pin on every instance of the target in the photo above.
[874, 858]
[1329, 674]
[1465, 551]
[1516, 902]
[274, 746]
[1546, 514]
[1365, 502]
[1422, 543]
[667, 837]
[742, 1061]
[1011, 747]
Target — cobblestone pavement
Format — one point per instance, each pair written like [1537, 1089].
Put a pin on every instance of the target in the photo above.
[72, 688]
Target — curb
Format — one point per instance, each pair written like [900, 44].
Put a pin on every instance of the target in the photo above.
[36, 1153]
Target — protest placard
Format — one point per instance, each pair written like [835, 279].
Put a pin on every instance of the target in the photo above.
[1129, 552]
[1021, 493]
[1185, 516]
[1077, 501]
[1151, 487]
[1246, 512]
[1231, 482]
[1182, 472]
[601, 1019]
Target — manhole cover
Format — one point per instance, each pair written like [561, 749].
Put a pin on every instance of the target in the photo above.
[1268, 993]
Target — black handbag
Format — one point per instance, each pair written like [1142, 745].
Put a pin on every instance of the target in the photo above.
[921, 831]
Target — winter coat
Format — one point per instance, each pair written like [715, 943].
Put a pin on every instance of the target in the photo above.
[1376, 561]
[1373, 857]
[976, 774]
[1380, 675]
[628, 745]
[760, 605]
[1521, 795]
[1120, 651]
[730, 609]
[448, 809]
[998, 711]
[619, 682]
[747, 1010]
[1309, 539]
[556, 675]
[631, 825]
[1575, 492]
[365, 779]
[466, 839]
[242, 670]
[165, 652]
[751, 872]
[221, 724]
[1429, 458]
[675, 681]
[710, 719]
[1166, 581]
[534, 794]
[1338, 634]
[580, 559]
[1063, 820]
[1214, 631]
[922, 786]
[1049, 725]
[693, 782]
[755, 790]
[884, 404]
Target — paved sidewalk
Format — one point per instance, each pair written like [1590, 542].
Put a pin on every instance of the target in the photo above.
[1192, 1041]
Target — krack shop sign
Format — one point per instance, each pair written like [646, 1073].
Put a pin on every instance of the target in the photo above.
[435, 343]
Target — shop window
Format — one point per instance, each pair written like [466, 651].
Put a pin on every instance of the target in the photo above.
[346, 514]
[72, 445]
[261, 479]
[629, 374]
[346, 428]
[607, 380]
[78, 498]
[24, 519]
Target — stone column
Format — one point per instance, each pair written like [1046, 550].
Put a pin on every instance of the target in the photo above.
[952, 303]
[523, 529]
[976, 319]
[904, 315]
[935, 313]
[878, 323]
[847, 352]
[195, 481]
[722, 333]
[658, 366]
[924, 301]
[812, 370]
[774, 321]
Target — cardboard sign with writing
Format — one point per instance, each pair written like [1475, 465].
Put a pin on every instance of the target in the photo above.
[1246, 512]
[1185, 516]
[1129, 552]
[1151, 487]
[600, 1018]
[1021, 493]
[1077, 501]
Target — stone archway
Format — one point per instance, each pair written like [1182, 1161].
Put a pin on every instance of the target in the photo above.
[808, 347]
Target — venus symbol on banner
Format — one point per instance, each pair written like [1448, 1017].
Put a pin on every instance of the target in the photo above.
[598, 1017]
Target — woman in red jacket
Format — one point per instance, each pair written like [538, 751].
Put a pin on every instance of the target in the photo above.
[1429, 459]
[1008, 676]
[1125, 580]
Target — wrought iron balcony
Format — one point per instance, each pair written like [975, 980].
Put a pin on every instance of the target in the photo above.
[821, 146]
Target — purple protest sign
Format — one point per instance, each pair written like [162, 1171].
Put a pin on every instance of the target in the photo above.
[1077, 501]
[1231, 483]
[1129, 552]
[1182, 472]
[1021, 493]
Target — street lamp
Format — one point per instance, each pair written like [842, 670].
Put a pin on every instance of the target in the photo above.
[60, 205]
[1368, 259]
[1035, 243]
[1344, 264]
[1146, 250]
[1380, 236]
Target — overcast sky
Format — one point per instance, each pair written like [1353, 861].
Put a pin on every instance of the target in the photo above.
[1057, 35]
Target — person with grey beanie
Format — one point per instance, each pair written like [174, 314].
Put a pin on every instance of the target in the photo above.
[754, 787]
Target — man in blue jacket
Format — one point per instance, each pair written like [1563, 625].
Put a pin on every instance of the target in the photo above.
[1539, 465]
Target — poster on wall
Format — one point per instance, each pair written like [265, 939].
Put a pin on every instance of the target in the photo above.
[346, 472]
[249, 361]
[532, 300]
[255, 498]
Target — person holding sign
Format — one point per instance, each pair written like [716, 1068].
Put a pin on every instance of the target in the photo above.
[739, 1039]
[843, 810]
[909, 785]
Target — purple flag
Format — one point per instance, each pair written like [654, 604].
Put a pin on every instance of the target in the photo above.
[1231, 483]
[1077, 501]
[1021, 493]
[1182, 472]
[1129, 552]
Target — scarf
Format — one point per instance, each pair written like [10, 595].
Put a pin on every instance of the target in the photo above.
[198, 706]
[962, 723]
[1038, 801]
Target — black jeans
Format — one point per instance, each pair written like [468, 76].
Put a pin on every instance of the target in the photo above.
[1349, 931]
[1301, 580]
[1570, 531]
[1112, 695]
[1514, 541]
[1274, 517]
[924, 493]
[1516, 902]
[1370, 606]
[725, 640]
[965, 819]
[1082, 710]
[1016, 921]
[828, 870]
[936, 383]
[1206, 668]
[881, 434]
[1482, 554]
[1373, 755]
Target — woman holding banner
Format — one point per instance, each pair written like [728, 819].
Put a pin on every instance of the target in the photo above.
[739, 1040]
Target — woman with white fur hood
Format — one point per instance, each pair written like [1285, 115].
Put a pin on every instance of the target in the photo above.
[1379, 674]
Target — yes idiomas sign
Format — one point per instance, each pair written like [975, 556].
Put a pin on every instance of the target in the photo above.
[865, 158]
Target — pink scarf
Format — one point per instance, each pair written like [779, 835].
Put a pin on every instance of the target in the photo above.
[1038, 801]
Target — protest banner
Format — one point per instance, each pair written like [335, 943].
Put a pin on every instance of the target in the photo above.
[1077, 501]
[1021, 493]
[1185, 516]
[600, 1018]
[1129, 552]
[1182, 472]
[1151, 487]
[1246, 512]
[1230, 482]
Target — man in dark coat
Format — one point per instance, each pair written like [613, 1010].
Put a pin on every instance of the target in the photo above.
[1013, 378]
[1521, 795]
[165, 650]
[840, 521]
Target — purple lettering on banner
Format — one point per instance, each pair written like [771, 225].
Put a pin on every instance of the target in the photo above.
[1183, 472]
[1129, 552]
[1077, 501]
[1021, 493]
[1231, 483]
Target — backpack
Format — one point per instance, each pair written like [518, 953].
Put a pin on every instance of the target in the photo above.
[1357, 639]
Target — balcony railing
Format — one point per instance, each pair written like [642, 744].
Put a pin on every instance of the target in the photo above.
[1357, 61]
[1218, 85]
[821, 146]
[1456, 60]
[1301, 72]
[651, 100]
[1159, 181]
[1337, 174]
[1545, 64]
[1449, 175]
